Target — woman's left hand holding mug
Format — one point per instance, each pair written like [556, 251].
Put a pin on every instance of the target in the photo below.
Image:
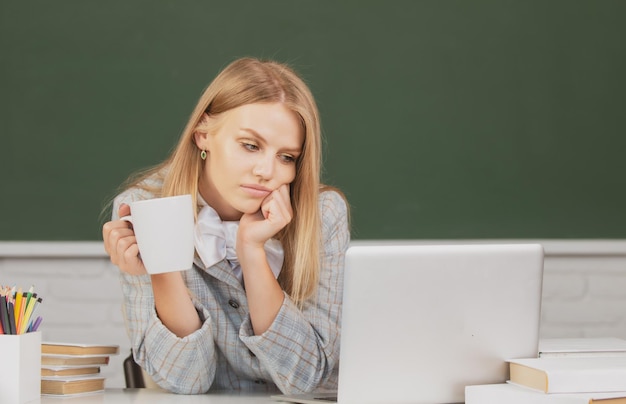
[121, 245]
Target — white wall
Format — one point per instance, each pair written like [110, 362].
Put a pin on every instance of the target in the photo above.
[584, 290]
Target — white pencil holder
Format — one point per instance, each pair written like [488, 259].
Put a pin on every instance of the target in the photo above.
[20, 373]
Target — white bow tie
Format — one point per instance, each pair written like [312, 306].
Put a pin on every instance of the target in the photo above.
[216, 240]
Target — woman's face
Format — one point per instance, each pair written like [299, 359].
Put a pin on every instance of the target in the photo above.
[253, 153]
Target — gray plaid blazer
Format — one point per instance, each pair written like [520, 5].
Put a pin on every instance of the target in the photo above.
[298, 353]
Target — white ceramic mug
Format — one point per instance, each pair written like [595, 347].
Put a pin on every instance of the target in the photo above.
[164, 231]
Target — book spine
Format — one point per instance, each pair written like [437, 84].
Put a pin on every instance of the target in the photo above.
[593, 380]
[514, 394]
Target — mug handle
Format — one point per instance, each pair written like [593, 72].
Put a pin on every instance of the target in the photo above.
[129, 219]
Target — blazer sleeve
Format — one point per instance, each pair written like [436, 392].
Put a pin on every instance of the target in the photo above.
[301, 347]
[156, 349]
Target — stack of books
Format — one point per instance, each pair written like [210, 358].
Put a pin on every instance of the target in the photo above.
[566, 371]
[72, 369]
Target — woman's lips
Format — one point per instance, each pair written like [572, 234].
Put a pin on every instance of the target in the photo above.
[256, 191]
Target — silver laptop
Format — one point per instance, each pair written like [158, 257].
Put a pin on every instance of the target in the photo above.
[420, 322]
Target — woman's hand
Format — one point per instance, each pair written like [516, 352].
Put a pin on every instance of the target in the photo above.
[265, 296]
[275, 213]
[121, 245]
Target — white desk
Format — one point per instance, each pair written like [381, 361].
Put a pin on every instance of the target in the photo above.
[156, 396]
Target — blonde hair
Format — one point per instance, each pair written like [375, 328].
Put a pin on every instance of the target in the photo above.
[247, 81]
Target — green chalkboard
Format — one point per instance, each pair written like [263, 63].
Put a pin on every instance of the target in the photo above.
[442, 119]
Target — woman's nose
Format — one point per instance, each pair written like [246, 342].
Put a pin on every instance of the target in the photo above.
[264, 167]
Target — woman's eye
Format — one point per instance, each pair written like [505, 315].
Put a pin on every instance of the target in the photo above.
[250, 146]
[287, 158]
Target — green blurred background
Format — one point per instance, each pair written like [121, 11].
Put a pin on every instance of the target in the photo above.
[442, 119]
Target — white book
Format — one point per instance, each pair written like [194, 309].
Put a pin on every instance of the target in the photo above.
[506, 393]
[550, 347]
[570, 375]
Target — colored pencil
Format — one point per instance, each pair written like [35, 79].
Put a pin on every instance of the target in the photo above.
[18, 310]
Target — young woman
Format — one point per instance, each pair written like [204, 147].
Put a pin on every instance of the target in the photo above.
[261, 306]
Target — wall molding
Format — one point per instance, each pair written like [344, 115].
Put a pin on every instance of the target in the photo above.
[52, 249]
[552, 247]
[95, 249]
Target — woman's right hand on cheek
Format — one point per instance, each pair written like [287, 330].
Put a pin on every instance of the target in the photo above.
[121, 245]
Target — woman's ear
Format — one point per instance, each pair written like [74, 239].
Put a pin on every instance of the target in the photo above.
[201, 135]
